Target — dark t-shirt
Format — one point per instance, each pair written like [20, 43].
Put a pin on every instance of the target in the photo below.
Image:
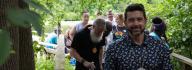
[86, 48]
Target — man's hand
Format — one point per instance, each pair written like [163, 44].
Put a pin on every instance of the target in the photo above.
[89, 65]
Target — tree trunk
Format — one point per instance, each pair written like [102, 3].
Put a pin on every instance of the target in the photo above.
[21, 38]
[12, 63]
[26, 57]
[26, 54]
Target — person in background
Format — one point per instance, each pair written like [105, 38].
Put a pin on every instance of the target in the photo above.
[77, 28]
[137, 50]
[108, 36]
[110, 17]
[87, 46]
[52, 38]
[158, 30]
[120, 30]
[67, 40]
[99, 14]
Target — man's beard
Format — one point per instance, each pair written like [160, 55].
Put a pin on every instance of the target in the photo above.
[136, 31]
[94, 38]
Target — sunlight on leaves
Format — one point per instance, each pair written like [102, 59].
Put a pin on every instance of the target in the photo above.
[38, 6]
[35, 21]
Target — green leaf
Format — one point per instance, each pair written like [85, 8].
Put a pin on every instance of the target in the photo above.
[36, 21]
[37, 6]
[5, 46]
[24, 18]
[18, 17]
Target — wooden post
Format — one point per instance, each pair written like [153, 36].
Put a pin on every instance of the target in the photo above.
[60, 54]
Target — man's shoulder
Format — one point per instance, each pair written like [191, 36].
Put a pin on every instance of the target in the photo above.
[157, 43]
[154, 35]
[153, 41]
[79, 23]
[83, 32]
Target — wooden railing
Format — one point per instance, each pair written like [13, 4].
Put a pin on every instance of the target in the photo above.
[186, 62]
[49, 50]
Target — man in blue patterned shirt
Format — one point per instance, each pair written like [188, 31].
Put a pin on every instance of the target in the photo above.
[137, 50]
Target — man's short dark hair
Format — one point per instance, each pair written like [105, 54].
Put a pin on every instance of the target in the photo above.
[108, 28]
[134, 7]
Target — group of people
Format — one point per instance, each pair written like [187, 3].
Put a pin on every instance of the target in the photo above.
[120, 43]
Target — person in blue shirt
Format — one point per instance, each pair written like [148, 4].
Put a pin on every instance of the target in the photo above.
[158, 30]
[52, 38]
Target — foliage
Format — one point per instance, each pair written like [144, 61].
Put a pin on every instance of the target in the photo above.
[5, 45]
[24, 18]
[67, 65]
[72, 9]
[180, 28]
[37, 48]
[42, 63]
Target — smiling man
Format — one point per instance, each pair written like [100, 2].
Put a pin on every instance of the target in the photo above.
[137, 50]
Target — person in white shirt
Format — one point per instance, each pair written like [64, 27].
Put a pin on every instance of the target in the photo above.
[80, 26]
[110, 17]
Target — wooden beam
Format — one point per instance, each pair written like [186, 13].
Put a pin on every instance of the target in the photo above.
[49, 50]
[182, 59]
[47, 44]
[60, 54]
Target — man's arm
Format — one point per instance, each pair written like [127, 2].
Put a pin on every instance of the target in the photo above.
[165, 58]
[72, 32]
[74, 46]
[74, 53]
[89, 65]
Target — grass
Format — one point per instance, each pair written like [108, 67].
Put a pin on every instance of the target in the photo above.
[43, 63]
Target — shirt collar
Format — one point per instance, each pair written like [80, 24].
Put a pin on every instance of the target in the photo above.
[145, 43]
